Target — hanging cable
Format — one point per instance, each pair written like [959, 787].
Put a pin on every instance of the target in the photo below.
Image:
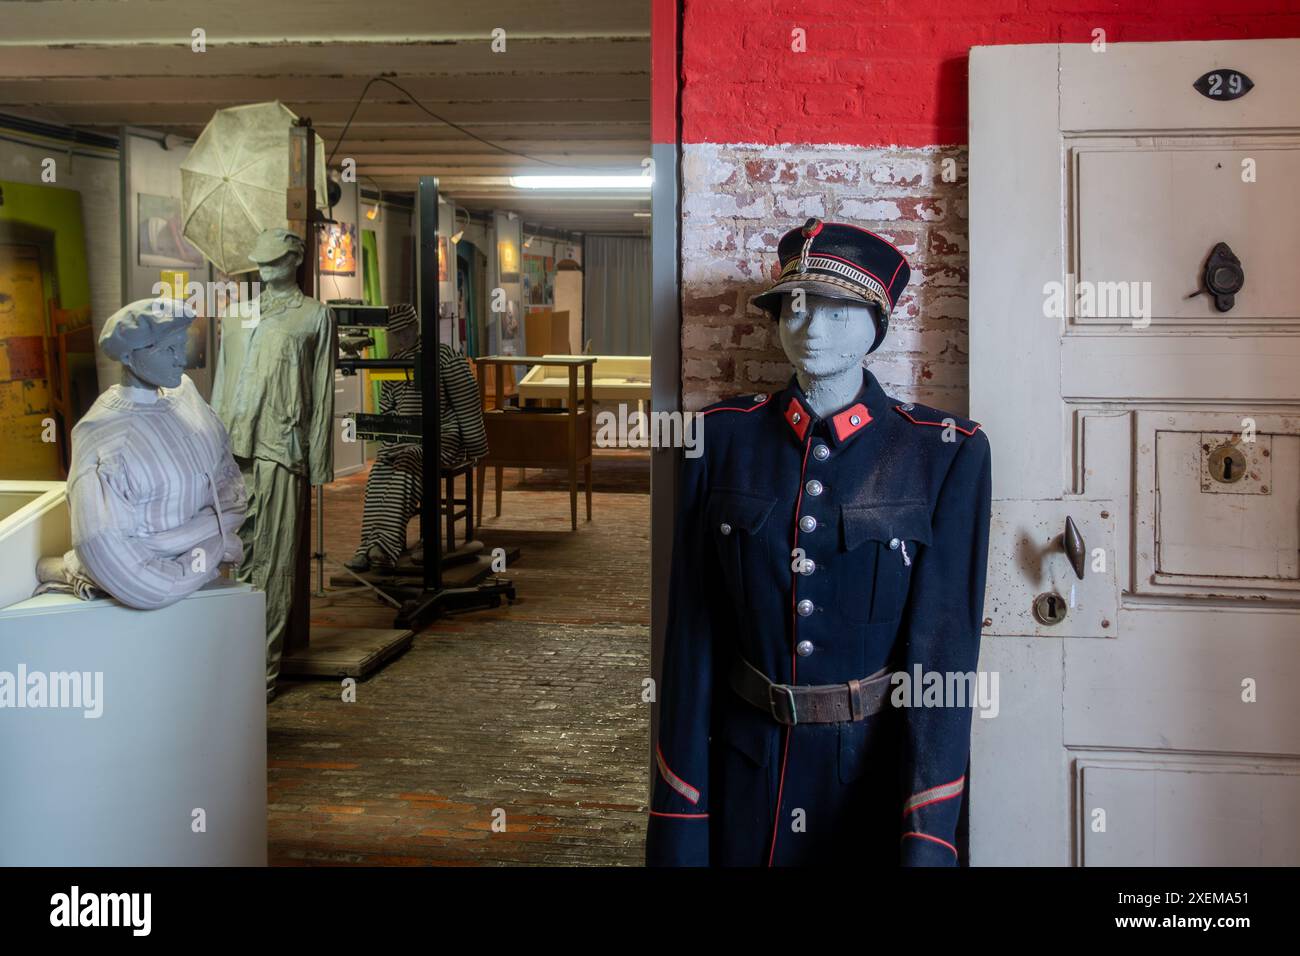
[440, 119]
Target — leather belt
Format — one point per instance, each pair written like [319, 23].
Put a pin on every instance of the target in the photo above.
[792, 704]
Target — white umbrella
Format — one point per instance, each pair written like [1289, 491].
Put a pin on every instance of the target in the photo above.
[235, 180]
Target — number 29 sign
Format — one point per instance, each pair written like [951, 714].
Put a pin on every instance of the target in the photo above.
[1224, 85]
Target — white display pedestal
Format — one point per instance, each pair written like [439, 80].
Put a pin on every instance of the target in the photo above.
[182, 729]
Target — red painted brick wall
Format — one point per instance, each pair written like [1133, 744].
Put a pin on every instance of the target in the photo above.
[883, 72]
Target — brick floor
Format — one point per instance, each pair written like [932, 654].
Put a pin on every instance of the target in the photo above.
[532, 710]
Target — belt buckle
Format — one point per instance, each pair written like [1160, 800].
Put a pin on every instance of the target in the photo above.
[773, 695]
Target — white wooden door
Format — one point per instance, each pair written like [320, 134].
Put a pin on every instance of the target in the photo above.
[1159, 721]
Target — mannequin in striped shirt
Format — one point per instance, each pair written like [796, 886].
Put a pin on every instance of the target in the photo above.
[155, 496]
[395, 482]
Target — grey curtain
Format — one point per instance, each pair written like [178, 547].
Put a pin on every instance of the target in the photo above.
[616, 284]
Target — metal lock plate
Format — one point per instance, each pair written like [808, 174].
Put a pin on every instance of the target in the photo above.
[1028, 564]
[1231, 465]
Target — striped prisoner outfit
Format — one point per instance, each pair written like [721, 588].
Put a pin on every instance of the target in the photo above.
[395, 483]
[156, 498]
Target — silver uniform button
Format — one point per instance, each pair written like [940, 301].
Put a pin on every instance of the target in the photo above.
[808, 566]
[804, 607]
[821, 452]
[855, 420]
[804, 648]
[814, 487]
[807, 523]
[725, 528]
[796, 418]
[908, 407]
[760, 397]
[893, 544]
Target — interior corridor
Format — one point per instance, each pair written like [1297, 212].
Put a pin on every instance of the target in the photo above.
[533, 709]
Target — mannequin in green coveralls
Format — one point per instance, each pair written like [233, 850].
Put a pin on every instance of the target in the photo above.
[274, 391]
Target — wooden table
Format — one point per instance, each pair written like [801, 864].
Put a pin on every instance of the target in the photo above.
[538, 438]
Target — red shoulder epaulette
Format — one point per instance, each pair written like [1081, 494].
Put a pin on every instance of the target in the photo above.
[741, 403]
[925, 415]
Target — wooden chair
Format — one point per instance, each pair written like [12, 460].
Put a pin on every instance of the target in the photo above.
[70, 350]
[522, 437]
[454, 508]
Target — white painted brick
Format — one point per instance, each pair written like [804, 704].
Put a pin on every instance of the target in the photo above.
[701, 368]
[910, 173]
[764, 336]
[706, 337]
[746, 204]
[945, 307]
[776, 372]
[707, 167]
[713, 269]
[801, 207]
[866, 211]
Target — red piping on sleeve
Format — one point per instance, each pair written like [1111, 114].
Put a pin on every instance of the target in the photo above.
[688, 793]
[932, 839]
[944, 791]
[680, 816]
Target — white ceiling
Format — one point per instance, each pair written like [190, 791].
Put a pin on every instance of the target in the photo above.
[572, 87]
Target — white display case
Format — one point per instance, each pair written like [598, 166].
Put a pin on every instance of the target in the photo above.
[33, 524]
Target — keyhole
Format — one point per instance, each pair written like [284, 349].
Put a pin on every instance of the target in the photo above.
[1049, 608]
[1227, 465]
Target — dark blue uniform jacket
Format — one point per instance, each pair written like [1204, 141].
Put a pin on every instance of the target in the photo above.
[888, 506]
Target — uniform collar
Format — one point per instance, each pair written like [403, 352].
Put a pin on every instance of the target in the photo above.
[842, 426]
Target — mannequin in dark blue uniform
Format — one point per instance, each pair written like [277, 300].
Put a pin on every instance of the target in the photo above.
[828, 537]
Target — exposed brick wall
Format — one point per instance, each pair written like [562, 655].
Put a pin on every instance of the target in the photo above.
[885, 81]
[736, 203]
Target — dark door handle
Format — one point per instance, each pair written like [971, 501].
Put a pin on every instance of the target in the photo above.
[1222, 277]
[1072, 542]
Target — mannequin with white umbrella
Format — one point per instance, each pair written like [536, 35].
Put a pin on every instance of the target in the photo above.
[274, 383]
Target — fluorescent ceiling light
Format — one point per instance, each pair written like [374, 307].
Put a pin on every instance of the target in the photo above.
[641, 215]
[582, 182]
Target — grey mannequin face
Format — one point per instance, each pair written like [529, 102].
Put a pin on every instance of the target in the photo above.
[829, 337]
[282, 269]
[405, 338]
[161, 363]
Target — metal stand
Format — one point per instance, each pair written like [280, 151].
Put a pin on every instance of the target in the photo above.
[434, 599]
[322, 651]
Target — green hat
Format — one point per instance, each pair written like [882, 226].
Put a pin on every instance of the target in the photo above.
[275, 244]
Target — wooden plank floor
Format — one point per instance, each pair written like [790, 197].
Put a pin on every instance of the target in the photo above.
[532, 711]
